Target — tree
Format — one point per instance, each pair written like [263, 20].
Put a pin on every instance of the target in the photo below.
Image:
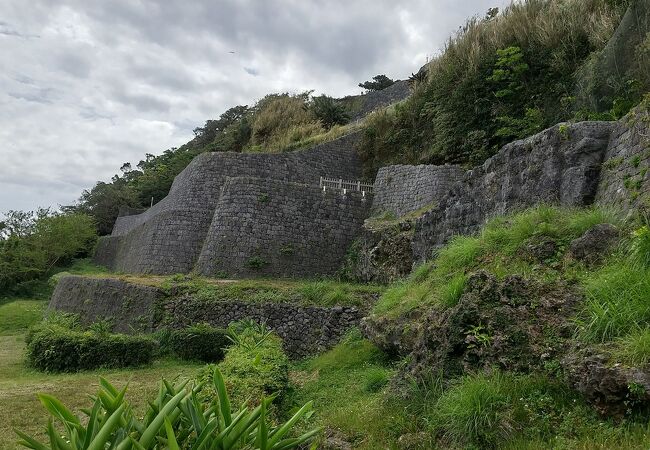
[35, 242]
[378, 83]
[329, 112]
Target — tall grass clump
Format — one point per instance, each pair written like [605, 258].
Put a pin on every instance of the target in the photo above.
[489, 410]
[474, 411]
[634, 348]
[616, 301]
[500, 78]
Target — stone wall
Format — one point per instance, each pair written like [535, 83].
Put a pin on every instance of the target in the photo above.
[265, 227]
[130, 306]
[168, 237]
[135, 307]
[402, 189]
[558, 166]
[624, 180]
[305, 330]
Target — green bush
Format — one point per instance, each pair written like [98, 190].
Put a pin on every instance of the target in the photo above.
[255, 365]
[200, 342]
[52, 348]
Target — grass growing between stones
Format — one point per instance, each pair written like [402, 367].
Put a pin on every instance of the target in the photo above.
[324, 293]
[506, 246]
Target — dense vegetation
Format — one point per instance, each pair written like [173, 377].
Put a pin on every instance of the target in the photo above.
[505, 77]
[34, 244]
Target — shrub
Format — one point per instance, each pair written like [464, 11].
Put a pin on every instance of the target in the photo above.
[52, 348]
[255, 366]
[200, 342]
[329, 112]
[175, 419]
[499, 77]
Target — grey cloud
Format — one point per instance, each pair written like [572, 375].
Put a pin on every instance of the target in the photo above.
[108, 82]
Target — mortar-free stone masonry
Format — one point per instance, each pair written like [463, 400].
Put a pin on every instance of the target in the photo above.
[262, 215]
[251, 215]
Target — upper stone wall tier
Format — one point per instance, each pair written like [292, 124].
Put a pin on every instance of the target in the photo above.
[377, 99]
[264, 227]
[559, 166]
[624, 180]
[404, 189]
[168, 237]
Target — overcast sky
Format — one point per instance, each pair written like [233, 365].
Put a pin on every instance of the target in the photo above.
[88, 85]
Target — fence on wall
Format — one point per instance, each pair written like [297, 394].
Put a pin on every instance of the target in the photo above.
[345, 186]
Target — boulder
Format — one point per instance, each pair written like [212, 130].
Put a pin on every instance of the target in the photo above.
[595, 243]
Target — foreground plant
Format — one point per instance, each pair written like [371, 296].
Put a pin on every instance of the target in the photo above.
[175, 419]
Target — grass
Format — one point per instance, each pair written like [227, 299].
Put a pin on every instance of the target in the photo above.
[19, 384]
[616, 301]
[17, 315]
[347, 387]
[498, 249]
[634, 348]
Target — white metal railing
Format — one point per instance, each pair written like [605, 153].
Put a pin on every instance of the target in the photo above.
[345, 186]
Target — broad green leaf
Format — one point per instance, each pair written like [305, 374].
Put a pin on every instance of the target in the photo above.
[150, 433]
[171, 439]
[224, 402]
[58, 409]
[99, 441]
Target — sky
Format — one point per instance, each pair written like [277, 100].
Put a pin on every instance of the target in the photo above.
[86, 85]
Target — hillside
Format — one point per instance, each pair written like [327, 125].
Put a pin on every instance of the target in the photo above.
[460, 260]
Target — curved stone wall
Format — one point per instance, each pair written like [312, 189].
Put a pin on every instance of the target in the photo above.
[135, 307]
[168, 237]
[265, 227]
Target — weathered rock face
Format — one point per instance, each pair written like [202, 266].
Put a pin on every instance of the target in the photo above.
[625, 178]
[614, 389]
[305, 330]
[595, 243]
[381, 255]
[169, 237]
[558, 166]
[503, 324]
